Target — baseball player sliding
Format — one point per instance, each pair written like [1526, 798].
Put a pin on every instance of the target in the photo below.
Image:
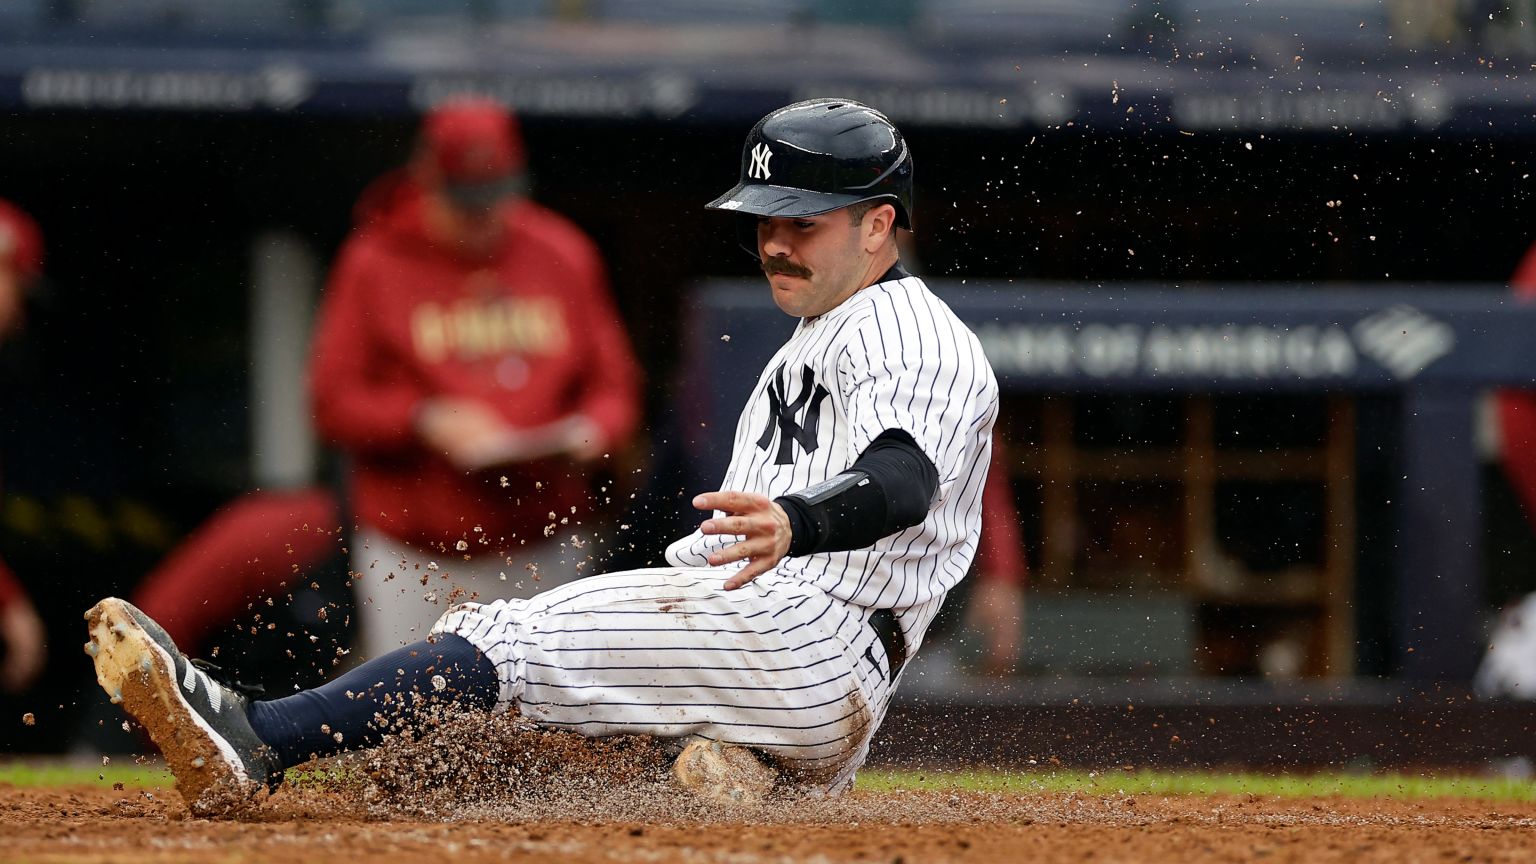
[770, 649]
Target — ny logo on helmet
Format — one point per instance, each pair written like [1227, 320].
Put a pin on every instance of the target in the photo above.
[760, 156]
[783, 415]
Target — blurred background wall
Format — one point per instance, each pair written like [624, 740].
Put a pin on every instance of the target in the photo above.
[194, 166]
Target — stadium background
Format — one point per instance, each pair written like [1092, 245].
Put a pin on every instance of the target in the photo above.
[174, 150]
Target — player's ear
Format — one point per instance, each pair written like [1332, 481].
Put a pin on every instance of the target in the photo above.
[879, 225]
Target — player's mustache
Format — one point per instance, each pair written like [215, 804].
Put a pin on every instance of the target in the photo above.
[788, 268]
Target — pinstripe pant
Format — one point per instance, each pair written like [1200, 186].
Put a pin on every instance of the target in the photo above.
[778, 665]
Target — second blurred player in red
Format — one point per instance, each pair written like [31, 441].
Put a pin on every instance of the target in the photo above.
[470, 362]
[23, 648]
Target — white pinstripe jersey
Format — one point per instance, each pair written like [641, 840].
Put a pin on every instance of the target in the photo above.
[892, 356]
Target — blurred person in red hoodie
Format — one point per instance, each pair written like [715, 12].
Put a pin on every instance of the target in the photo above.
[991, 606]
[995, 607]
[1517, 411]
[21, 631]
[470, 362]
[1508, 667]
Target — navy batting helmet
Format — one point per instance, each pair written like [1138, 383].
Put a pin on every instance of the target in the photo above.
[817, 156]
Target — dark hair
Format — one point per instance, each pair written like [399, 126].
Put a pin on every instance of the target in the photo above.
[857, 211]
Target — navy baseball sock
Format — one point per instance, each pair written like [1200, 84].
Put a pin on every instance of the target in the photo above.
[400, 686]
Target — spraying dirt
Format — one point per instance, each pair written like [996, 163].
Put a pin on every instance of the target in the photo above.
[493, 787]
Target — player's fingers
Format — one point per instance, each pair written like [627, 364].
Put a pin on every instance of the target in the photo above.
[758, 546]
[728, 525]
[748, 548]
[756, 568]
[729, 501]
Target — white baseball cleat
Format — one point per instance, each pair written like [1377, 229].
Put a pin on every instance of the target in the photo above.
[723, 773]
[198, 723]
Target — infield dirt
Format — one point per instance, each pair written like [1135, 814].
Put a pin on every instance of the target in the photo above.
[151, 825]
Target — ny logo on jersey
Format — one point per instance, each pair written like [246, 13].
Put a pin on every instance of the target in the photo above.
[760, 156]
[783, 415]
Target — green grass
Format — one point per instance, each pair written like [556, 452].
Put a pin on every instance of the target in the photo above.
[1144, 782]
[43, 773]
[39, 773]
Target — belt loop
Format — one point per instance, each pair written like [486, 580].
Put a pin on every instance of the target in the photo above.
[889, 631]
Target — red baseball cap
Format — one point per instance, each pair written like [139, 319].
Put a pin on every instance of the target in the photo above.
[476, 148]
[21, 243]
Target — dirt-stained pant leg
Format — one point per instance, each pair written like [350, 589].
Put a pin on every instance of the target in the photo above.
[668, 652]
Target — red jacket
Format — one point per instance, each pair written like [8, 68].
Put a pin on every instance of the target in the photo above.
[533, 333]
[10, 589]
[1001, 556]
[1517, 410]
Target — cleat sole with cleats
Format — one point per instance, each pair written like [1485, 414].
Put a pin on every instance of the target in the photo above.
[138, 672]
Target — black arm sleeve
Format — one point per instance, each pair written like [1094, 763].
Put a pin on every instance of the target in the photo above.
[889, 488]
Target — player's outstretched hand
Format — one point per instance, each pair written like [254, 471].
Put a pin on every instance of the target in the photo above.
[469, 432]
[762, 525]
[25, 645]
[474, 437]
[996, 611]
